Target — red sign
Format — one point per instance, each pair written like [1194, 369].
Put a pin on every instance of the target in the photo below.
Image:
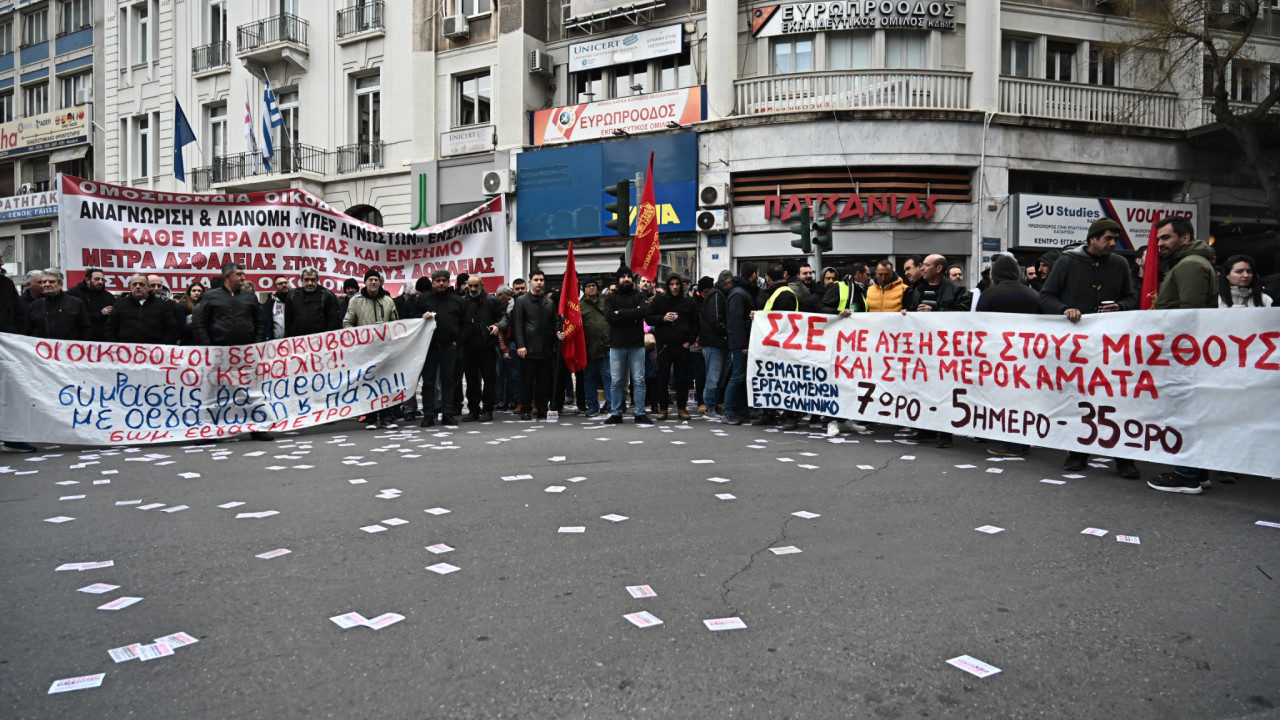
[852, 206]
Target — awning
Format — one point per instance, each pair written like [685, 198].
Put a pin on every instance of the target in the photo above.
[68, 154]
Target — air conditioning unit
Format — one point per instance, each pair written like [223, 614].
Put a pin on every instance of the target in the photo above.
[710, 221]
[566, 14]
[83, 95]
[27, 188]
[455, 26]
[539, 63]
[713, 195]
[498, 182]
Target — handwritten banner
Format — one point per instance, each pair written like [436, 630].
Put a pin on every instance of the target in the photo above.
[183, 237]
[1197, 388]
[89, 393]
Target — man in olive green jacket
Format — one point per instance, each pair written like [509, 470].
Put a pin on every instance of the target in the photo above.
[595, 329]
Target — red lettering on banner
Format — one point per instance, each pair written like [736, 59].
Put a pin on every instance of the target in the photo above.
[814, 332]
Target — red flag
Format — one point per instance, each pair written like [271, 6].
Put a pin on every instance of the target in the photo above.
[644, 251]
[574, 346]
[1151, 270]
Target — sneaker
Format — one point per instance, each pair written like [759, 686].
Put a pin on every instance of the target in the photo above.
[852, 426]
[833, 428]
[374, 425]
[387, 425]
[1173, 482]
[486, 417]
[711, 414]
[1128, 469]
[613, 420]
[1075, 462]
[731, 419]
[448, 420]
[19, 447]
[999, 450]
[643, 420]
[428, 422]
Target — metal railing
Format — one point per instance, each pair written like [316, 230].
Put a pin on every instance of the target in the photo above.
[288, 159]
[360, 156]
[213, 55]
[1237, 108]
[1088, 103]
[268, 31]
[853, 89]
[364, 16]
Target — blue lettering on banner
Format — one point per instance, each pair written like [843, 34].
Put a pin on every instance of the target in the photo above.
[794, 386]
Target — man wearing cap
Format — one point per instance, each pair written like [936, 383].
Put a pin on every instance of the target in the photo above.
[595, 330]
[625, 309]
[674, 318]
[441, 302]
[1091, 279]
[371, 306]
[229, 314]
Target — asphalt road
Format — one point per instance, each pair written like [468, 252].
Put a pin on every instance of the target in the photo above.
[892, 580]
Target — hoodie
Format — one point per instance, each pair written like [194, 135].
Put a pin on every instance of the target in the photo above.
[1191, 281]
[1007, 293]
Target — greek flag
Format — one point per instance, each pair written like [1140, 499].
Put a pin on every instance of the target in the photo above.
[271, 119]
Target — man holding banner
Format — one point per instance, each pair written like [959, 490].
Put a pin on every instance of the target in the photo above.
[230, 315]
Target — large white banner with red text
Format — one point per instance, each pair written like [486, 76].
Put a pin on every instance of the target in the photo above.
[90, 393]
[1199, 388]
[183, 237]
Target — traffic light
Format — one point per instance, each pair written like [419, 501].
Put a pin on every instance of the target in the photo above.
[620, 207]
[822, 234]
[802, 229]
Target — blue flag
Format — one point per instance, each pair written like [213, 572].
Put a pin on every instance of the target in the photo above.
[270, 119]
[182, 136]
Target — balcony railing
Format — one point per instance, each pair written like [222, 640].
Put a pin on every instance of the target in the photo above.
[361, 156]
[1237, 107]
[363, 17]
[288, 159]
[1088, 103]
[854, 89]
[269, 31]
[213, 55]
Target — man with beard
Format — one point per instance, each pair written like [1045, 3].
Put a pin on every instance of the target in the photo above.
[229, 314]
[741, 310]
[674, 318]
[311, 308]
[625, 310]
[484, 317]
[273, 308]
[141, 316]
[441, 302]
[595, 330]
[371, 306]
[936, 293]
[534, 333]
[98, 301]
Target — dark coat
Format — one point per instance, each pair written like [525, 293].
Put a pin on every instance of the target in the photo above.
[153, 321]
[12, 317]
[684, 329]
[951, 297]
[478, 314]
[534, 325]
[787, 300]
[25, 299]
[448, 309]
[626, 312]
[58, 317]
[225, 318]
[713, 320]
[1010, 296]
[308, 313]
[742, 300]
[94, 301]
[1081, 281]
[269, 314]
[595, 328]
[830, 303]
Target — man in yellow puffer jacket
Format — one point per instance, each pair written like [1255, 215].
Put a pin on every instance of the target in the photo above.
[885, 294]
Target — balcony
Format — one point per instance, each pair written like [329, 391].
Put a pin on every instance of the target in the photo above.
[360, 22]
[361, 156]
[1237, 107]
[854, 90]
[1089, 103]
[278, 38]
[247, 167]
[211, 58]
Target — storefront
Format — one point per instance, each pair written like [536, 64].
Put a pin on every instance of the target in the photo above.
[28, 238]
[1041, 223]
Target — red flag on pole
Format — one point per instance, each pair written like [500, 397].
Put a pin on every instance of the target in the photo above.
[574, 346]
[1150, 270]
[644, 251]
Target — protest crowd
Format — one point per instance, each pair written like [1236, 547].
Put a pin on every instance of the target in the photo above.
[663, 351]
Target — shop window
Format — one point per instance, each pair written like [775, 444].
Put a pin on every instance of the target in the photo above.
[904, 49]
[1015, 57]
[474, 99]
[792, 55]
[849, 51]
[1060, 60]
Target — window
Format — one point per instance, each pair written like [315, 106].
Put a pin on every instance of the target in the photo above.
[676, 71]
[1102, 66]
[141, 34]
[903, 49]
[69, 88]
[217, 130]
[1060, 60]
[35, 171]
[35, 99]
[216, 30]
[1275, 78]
[1244, 78]
[8, 184]
[35, 27]
[1015, 57]
[630, 79]
[142, 139]
[75, 14]
[791, 56]
[848, 51]
[35, 250]
[6, 37]
[471, 8]
[588, 85]
[287, 148]
[474, 95]
[6, 106]
[368, 111]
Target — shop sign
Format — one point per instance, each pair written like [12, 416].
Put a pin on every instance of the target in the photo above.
[1054, 221]
[771, 20]
[853, 206]
[466, 141]
[21, 207]
[69, 126]
[633, 47]
[639, 113]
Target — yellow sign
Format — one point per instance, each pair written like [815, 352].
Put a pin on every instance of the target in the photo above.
[69, 126]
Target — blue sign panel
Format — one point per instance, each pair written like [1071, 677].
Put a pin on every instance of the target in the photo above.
[560, 191]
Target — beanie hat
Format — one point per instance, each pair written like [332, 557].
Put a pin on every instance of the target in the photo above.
[1102, 225]
[350, 284]
[589, 281]
[423, 284]
[622, 271]
[705, 283]
[372, 273]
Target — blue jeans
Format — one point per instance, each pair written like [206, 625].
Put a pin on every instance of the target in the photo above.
[442, 358]
[735, 393]
[597, 376]
[622, 360]
[714, 358]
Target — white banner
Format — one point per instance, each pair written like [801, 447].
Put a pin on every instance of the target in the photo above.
[183, 237]
[1054, 221]
[1199, 388]
[633, 47]
[89, 393]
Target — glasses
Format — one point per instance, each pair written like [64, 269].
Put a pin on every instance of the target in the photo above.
[48, 282]
[156, 285]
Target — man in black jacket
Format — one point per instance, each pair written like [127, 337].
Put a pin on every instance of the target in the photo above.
[311, 308]
[742, 305]
[534, 337]
[713, 336]
[98, 301]
[936, 293]
[12, 319]
[273, 308]
[57, 315]
[484, 317]
[33, 290]
[229, 314]
[625, 309]
[674, 318]
[440, 300]
[142, 317]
